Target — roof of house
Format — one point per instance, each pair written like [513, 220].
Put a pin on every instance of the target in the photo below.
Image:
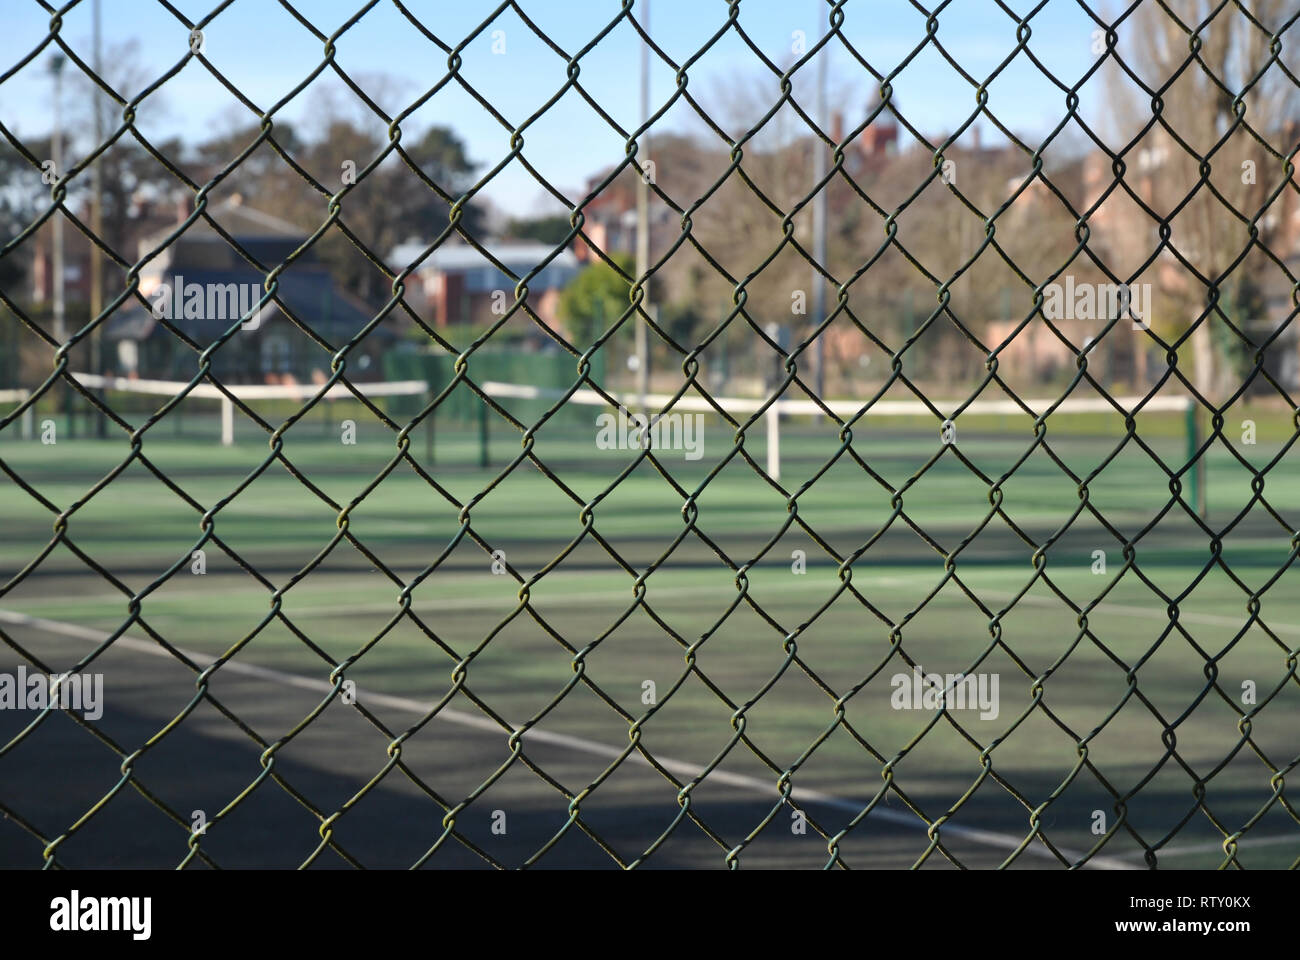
[201, 256]
[308, 292]
[458, 257]
[236, 218]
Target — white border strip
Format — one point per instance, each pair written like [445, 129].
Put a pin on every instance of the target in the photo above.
[20, 396]
[249, 391]
[847, 408]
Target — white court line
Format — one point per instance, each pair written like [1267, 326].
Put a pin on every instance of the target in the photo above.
[804, 797]
[1154, 612]
[1216, 847]
[455, 603]
[474, 603]
[660, 594]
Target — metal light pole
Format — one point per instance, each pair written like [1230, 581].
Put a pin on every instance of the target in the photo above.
[819, 225]
[643, 219]
[56, 152]
[97, 225]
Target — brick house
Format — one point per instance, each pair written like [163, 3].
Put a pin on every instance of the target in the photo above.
[456, 284]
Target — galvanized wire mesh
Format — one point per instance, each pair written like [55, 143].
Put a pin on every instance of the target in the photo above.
[795, 363]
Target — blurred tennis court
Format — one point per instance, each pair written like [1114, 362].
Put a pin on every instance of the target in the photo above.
[749, 639]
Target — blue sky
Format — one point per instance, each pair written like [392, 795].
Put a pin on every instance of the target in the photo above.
[265, 52]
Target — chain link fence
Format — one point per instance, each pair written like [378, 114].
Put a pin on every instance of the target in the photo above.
[1130, 191]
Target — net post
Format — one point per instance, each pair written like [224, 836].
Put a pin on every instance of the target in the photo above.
[773, 418]
[27, 415]
[69, 411]
[1197, 472]
[227, 422]
[427, 397]
[482, 434]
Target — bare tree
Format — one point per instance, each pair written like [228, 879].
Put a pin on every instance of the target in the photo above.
[1198, 106]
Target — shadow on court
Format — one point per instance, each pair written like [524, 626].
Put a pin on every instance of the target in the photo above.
[60, 770]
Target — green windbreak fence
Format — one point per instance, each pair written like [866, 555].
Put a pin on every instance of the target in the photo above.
[547, 370]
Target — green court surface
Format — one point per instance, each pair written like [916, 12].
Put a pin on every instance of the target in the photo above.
[1132, 713]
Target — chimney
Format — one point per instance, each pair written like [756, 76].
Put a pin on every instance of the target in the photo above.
[182, 207]
[40, 268]
[837, 127]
